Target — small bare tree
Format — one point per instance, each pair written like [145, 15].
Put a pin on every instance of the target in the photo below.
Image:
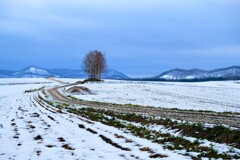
[94, 64]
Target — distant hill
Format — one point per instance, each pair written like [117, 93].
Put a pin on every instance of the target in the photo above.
[36, 72]
[196, 75]
[182, 75]
[230, 73]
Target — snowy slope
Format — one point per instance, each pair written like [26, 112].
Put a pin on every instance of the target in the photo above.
[32, 72]
[33, 130]
[67, 73]
[36, 72]
[22, 120]
[214, 96]
[180, 74]
[112, 74]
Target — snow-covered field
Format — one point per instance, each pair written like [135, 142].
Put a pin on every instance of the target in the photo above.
[29, 130]
[214, 96]
[16, 86]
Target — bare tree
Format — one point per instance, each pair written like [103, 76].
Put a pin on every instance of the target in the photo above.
[94, 64]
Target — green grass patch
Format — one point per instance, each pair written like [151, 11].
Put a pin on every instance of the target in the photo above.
[170, 142]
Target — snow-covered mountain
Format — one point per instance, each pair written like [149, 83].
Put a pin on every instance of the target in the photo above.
[172, 75]
[114, 75]
[36, 72]
[32, 72]
[180, 74]
[66, 73]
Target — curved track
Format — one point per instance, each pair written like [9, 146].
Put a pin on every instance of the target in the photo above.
[231, 119]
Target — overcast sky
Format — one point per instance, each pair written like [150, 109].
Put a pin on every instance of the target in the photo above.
[139, 37]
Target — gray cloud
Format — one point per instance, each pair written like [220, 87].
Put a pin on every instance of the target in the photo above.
[139, 37]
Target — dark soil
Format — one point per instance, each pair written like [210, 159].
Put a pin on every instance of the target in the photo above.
[38, 138]
[51, 118]
[81, 126]
[109, 141]
[91, 131]
[157, 156]
[60, 139]
[67, 147]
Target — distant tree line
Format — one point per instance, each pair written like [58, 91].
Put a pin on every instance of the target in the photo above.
[187, 80]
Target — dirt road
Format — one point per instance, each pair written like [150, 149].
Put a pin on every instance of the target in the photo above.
[231, 119]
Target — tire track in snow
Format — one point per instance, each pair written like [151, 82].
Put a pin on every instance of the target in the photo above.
[105, 134]
[68, 118]
[231, 119]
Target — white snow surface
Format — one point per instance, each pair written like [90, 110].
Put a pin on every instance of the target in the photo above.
[36, 71]
[19, 125]
[23, 80]
[220, 96]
